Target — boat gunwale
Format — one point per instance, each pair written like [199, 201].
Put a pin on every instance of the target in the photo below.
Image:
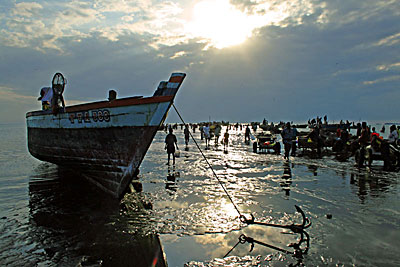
[121, 102]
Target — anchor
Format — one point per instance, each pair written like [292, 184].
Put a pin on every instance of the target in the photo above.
[295, 228]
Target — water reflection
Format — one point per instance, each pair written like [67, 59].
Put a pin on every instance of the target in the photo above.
[197, 220]
[286, 178]
[76, 225]
[170, 183]
[313, 169]
[368, 184]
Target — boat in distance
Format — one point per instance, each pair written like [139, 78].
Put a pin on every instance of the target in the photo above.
[105, 141]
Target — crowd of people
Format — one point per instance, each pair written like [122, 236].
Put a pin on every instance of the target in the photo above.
[206, 134]
[366, 142]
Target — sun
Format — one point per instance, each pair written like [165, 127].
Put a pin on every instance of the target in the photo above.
[220, 23]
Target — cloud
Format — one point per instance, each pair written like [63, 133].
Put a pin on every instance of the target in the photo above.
[317, 57]
[127, 7]
[388, 66]
[11, 95]
[382, 80]
[389, 41]
[77, 13]
[41, 27]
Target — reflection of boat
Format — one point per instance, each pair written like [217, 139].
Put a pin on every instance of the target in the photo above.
[73, 230]
[106, 140]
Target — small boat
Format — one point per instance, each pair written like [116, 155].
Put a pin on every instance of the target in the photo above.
[266, 141]
[105, 141]
[334, 126]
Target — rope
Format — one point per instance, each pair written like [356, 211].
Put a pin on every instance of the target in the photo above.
[239, 242]
[215, 175]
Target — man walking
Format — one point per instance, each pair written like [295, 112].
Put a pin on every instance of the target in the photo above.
[170, 143]
[287, 137]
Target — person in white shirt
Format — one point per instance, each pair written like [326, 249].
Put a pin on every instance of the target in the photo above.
[206, 130]
[393, 136]
[46, 95]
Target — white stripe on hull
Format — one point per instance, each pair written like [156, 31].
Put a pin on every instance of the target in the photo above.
[135, 115]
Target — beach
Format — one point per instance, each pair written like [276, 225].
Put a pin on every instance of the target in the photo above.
[49, 217]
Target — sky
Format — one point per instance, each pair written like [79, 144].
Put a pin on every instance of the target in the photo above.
[245, 60]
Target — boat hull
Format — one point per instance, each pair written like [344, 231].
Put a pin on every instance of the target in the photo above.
[110, 164]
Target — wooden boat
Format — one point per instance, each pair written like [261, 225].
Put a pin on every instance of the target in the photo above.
[334, 126]
[105, 141]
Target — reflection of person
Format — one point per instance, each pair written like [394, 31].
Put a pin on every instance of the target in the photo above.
[170, 143]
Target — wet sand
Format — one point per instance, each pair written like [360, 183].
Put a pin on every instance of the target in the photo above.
[48, 220]
[353, 212]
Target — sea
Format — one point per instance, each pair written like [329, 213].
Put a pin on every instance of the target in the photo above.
[189, 214]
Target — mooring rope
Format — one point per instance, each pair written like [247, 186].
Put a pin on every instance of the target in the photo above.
[295, 228]
[212, 169]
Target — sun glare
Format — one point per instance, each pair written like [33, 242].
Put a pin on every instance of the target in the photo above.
[219, 22]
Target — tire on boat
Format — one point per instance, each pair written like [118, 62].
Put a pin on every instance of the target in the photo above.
[255, 147]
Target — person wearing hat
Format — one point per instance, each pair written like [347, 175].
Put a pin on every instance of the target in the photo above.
[46, 95]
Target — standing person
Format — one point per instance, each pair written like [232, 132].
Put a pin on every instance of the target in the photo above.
[226, 140]
[294, 146]
[201, 132]
[247, 134]
[187, 134]
[170, 143]
[363, 141]
[46, 95]
[398, 133]
[365, 135]
[359, 128]
[206, 130]
[393, 136]
[316, 138]
[217, 133]
[287, 138]
[374, 133]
